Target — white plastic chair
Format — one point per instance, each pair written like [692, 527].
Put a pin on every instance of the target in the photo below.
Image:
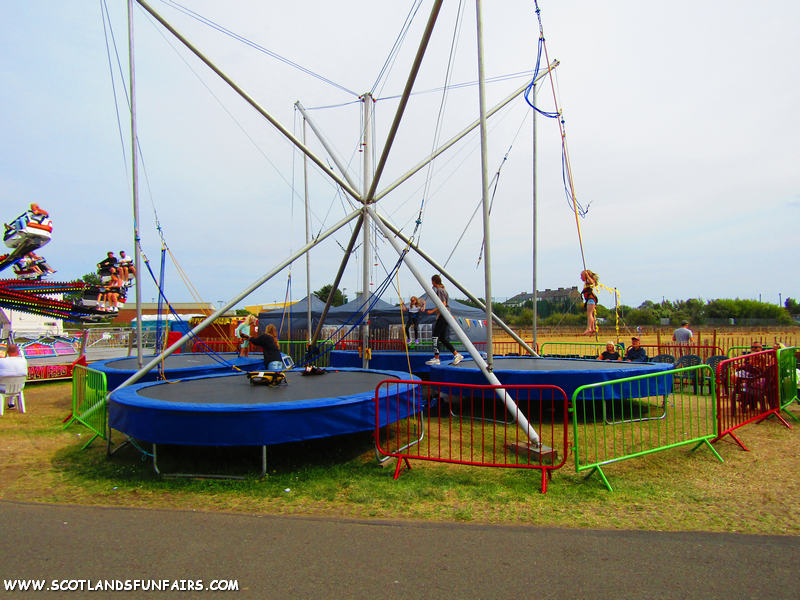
[12, 389]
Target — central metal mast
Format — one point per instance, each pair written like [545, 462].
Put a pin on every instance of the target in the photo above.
[367, 149]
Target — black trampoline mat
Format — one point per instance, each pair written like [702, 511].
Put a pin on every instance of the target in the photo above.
[553, 364]
[176, 361]
[237, 389]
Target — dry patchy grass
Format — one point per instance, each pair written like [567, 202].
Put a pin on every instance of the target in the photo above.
[754, 492]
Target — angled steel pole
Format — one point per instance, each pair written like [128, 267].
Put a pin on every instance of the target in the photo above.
[338, 279]
[487, 254]
[231, 303]
[461, 135]
[286, 133]
[426, 36]
[452, 280]
[526, 427]
[334, 156]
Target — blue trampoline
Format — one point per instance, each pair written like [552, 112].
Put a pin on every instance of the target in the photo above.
[226, 410]
[391, 360]
[179, 366]
[566, 373]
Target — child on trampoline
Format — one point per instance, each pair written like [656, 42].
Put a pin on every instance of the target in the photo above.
[590, 280]
[413, 309]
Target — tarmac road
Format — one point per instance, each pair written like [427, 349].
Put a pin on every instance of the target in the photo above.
[296, 557]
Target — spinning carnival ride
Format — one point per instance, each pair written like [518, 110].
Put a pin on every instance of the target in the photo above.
[29, 292]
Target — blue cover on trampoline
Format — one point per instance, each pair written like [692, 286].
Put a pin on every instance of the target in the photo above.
[566, 373]
[225, 410]
[393, 361]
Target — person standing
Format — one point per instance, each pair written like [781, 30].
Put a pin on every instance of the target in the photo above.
[683, 335]
[245, 329]
[440, 327]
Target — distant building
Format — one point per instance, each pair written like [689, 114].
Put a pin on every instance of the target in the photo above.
[559, 295]
[127, 314]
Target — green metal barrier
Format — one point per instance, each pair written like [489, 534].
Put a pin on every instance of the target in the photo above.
[297, 350]
[651, 416]
[89, 406]
[577, 349]
[787, 375]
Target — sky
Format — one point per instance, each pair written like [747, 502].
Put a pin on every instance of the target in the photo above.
[681, 122]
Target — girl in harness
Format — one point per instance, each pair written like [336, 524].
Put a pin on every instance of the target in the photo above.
[590, 280]
[414, 308]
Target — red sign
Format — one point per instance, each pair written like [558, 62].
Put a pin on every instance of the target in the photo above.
[48, 372]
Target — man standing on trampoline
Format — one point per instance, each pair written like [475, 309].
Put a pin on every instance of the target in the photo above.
[440, 327]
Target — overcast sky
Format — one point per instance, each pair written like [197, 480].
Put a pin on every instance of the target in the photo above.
[682, 123]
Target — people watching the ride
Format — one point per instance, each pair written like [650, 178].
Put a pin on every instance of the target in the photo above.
[610, 353]
[414, 308]
[683, 335]
[636, 353]
[127, 270]
[13, 365]
[273, 360]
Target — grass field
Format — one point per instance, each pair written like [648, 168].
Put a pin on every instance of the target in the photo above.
[754, 492]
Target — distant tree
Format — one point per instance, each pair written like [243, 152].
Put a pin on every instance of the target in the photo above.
[323, 293]
[91, 278]
[792, 306]
[241, 312]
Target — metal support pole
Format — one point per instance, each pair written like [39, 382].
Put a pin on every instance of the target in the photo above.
[250, 100]
[535, 182]
[527, 429]
[426, 36]
[308, 240]
[487, 262]
[460, 136]
[135, 175]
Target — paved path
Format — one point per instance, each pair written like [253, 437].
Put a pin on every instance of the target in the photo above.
[320, 558]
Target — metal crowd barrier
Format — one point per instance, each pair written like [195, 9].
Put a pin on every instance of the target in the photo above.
[748, 390]
[678, 350]
[589, 350]
[787, 375]
[626, 418]
[89, 406]
[468, 425]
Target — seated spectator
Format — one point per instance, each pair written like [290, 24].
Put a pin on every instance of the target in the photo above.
[636, 353]
[610, 353]
[13, 365]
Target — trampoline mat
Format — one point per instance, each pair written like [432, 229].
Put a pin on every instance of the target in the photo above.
[176, 361]
[236, 389]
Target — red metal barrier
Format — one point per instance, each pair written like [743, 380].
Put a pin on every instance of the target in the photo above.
[467, 424]
[678, 350]
[747, 390]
